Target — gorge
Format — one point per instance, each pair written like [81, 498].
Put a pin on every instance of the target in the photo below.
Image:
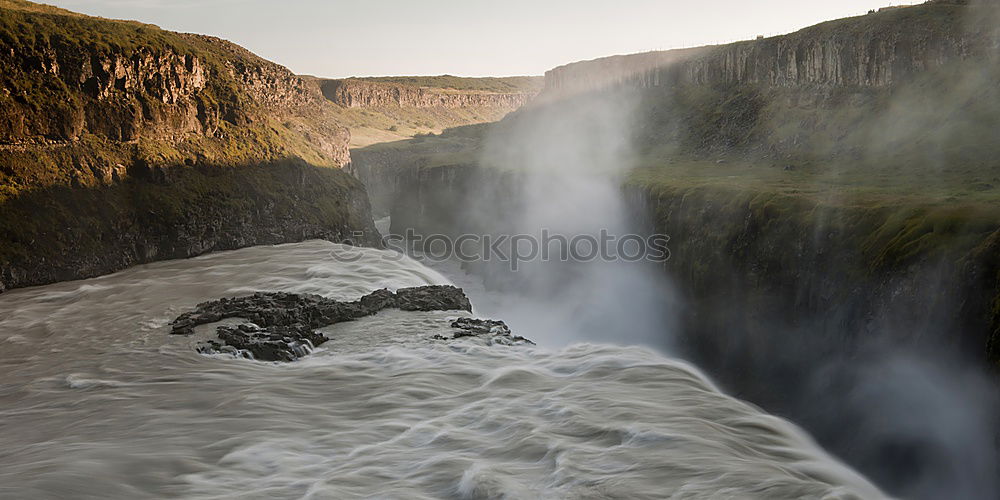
[828, 197]
[818, 273]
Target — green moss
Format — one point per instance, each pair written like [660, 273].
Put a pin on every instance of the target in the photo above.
[41, 98]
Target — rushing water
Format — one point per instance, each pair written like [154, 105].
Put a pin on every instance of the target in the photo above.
[98, 401]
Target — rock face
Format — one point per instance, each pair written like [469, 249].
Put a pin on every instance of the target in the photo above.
[871, 51]
[353, 93]
[121, 143]
[639, 70]
[111, 89]
[113, 77]
[282, 325]
[126, 81]
[426, 198]
[176, 213]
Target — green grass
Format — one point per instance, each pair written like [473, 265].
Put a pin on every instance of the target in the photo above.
[25, 25]
[38, 8]
[385, 125]
[847, 185]
[37, 99]
[893, 223]
[454, 146]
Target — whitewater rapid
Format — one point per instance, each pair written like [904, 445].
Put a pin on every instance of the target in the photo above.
[98, 401]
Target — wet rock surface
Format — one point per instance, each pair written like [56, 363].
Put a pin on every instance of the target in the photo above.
[277, 343]
[432, 298]
[492, 331]
[281, 326]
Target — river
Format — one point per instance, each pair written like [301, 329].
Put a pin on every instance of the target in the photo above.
[97, 400]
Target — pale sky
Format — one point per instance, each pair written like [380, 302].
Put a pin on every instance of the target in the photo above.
[339, 38]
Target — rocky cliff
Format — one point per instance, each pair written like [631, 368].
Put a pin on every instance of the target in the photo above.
[634, 70]
[355, 93]
[121, 143]
[67, 76]
[386, 109]
[867, 51]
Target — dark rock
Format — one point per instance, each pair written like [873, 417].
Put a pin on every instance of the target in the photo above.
[278, 343]
[379, 299]
[495, 332]
[432, 298]
[282, 325]
[472, 326]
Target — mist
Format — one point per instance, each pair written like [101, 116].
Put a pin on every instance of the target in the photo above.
[896, 389]
[565, 168]
[762, 269]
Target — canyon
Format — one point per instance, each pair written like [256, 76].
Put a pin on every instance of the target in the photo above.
[712, 122]
[830, 198]
[830, 201]
[122, 144]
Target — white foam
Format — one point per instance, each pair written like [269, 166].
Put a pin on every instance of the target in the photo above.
[379, 411]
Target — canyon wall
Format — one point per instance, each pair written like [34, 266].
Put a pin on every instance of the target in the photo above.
[635, 70]
[148, 84]
[432, 200]
[355, 93]
[121, 143]
[852, 52]
[831, 202]
[113, 95]
[820, 100]
[756, 266]
[388, 109]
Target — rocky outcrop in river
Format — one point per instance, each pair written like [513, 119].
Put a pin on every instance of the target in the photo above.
[281, 326]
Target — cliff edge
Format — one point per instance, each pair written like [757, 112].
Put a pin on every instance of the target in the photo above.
[392, 108]
[869, 51]
[121, 143]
